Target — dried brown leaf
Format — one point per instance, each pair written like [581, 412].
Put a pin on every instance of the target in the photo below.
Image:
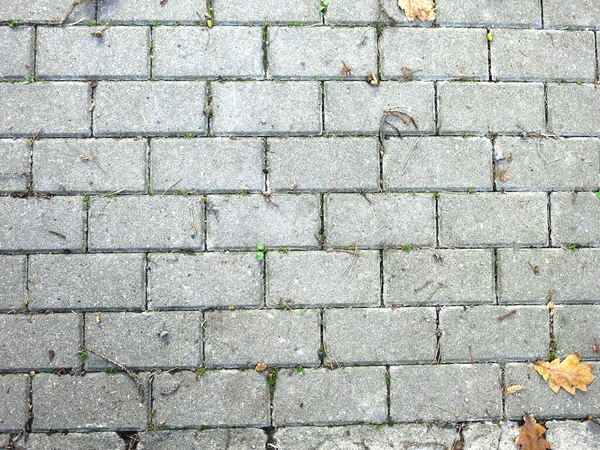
[514, 388]
[423, 10]
[569, 374]
[531, 434]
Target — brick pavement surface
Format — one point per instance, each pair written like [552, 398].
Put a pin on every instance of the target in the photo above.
[295, 224]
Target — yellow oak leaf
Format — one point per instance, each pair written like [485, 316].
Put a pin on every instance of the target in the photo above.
[530, 437]
[421, 9]
[569, 374]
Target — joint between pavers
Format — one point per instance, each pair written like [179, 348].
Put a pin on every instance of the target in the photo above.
[437, 357]
[495, 275]
[489, 49]
[597, 80]
[266, 185]
[381, 278]
[542, 14]
[549, 213]
[151, 53]
[265, 45]
[208, 111]
[546, 114]
[436, 102]
[146, 270]
[503, 388]
[388, 395]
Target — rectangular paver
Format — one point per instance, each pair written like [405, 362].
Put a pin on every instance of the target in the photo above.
[13, 274]
[16, 52]
[513, 13]
[86, 282]
[14, 165]
[565, 102]
[214, 439]
[266, 12]
[14, 409]
[144, 12]
[352, 12]
[574, 14]
[571, 434]
[76, 441]
[46, 11]
[575, 218]
[577, 330]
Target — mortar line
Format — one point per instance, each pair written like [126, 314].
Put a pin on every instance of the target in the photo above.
[27, 270]
[146, 270]
[437, 358]
[436, 200]
[148, 165]
[96, 11]
[150, 389]
[322, 218]
[381, 279]
[597, 80]
[549, 212]
[436, 106]
[203, 339]
[378, 41]
[266, 164]
[322, 86]
[552, 346]
[489, 47]
[205, 219]
[263, 267]
[151, 53]
[30, 174]
[495, 272]
[86, 205]
[265, 56]
[494, 168]
[322, 338]
[34, 62]
[208, 109]
[546, 123]
[83, 345]
[542, 14]
[503, 387]
[93, 85]
[388, 399]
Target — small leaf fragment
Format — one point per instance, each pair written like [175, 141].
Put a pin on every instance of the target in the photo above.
[514, 388]
[531, 434]
[261, 367]
[423, 10]
[569, 374]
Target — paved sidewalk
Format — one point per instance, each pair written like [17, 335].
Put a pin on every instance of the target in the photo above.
[271, 224]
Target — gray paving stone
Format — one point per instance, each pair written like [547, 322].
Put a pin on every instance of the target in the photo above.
[89, 166]
[266, 12]
[193, 52]
[146, 223]
[14, 409]
[537, 397]
[86, 282]
[96, 401]
[485, 436]
[438, 277]
[547, 164]
[354, 437]
[422, 163]
[323, 164]
[13, 274]
[435, 53]
[196, 281]
[155, 108]
[572, 435]
[562, 275]
[485, 333]
[46, 11]
[513, 13]
[354, 12]
[317, 278]
[58, 109]
[577, 14]
[449, 392]
[330, 397]
[14, 165]
[565, 102]
[42, 224]
[575, 218]
[215, 439]
[144, 12]
[283, 221]
[494, 219]
[16, 51]
[379, 335]
[5, 439]
[275, 338]
[74, 441]
[379, 220]
[344, 99]
[484, 107]
[214, 398]
[75, 53]
[577, 330]
[142, 341]
[39, 342]
[265, 108]
[323, 52]
[207, 165]
[543, 55]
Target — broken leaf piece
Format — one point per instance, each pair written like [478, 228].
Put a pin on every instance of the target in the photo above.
[423, 10]
[531, 434]
[514, 388]
[569, 374]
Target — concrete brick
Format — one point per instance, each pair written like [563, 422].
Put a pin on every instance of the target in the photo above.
[543, 55]
[330, 397]
[266, 12]
[537, 397]
[74, 441]
[344, 99]
[572, 435]
[75, 53]
[146, 223]
[46, 11]
[547, 164]
[563, 275]
[16, 51]
[152, 108]
[318, 278]
[41, 224]
[423, 436]
[144, 12]
[196, 281]
[577, 330]
[323, 52]
[438, 277]
[422, 163]
[58, 109]
[571, 100]
[379, 220]
[90, 166]
[464, 391]
[576, 14]
[354, 12]
[96, 401]
[247, 338]
[215, 439]
[483, 107]
[575, 218]
[484, 436]
[86, 282]
[435, 53]
[512, 13]
[36, 342]
[14, 409]
[379, 335]
[485, 333]
[323, 164]
[192, 52]
[139, 341]
[291, 221]
[207, 165]
[14, 166]
[13, 274]
[494, 219]
[266, 108]
[227, 397]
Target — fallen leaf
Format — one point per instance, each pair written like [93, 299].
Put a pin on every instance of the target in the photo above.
[422, 9]
[530, 437]
[514, 388]
[569, 374]
[260, 367]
